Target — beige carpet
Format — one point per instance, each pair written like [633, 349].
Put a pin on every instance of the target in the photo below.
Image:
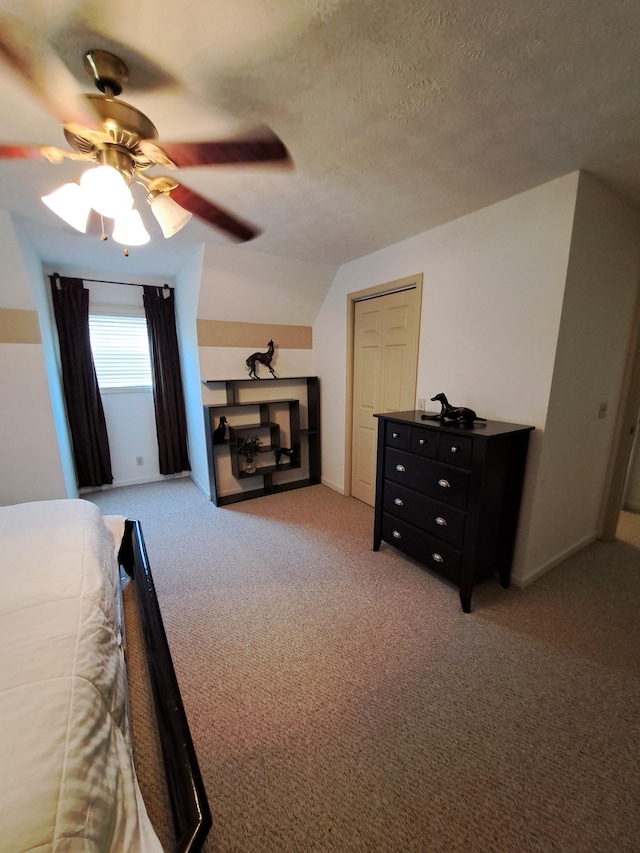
[340, 700]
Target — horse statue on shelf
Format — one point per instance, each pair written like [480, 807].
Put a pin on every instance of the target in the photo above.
[261, 358]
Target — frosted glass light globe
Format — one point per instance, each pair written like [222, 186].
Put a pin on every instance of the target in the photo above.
[170, 215]
[129, 229]
[107, 191]
[71, 204]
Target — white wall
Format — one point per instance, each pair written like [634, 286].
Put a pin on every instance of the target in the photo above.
[254, 287]
[187, 295]
[492, 295]
[632, 486]
[30, 463]
[131, 428]
[14, 282]
[29, 460]
[593, 341]
[63, 454]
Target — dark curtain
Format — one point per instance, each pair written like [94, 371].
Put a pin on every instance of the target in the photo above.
[168, 398]
[84, 405]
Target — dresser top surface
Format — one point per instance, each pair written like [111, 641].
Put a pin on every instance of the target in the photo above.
[478, 428]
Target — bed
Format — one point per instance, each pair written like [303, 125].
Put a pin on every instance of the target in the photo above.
[68, 780]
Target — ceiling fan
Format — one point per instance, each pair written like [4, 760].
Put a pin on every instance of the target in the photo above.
[122, 143]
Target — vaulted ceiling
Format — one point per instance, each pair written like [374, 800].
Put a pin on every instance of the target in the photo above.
[399, 116]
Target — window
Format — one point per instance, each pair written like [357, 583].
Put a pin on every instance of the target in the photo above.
[120, 347]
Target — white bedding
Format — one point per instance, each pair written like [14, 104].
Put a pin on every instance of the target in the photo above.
[67, 781]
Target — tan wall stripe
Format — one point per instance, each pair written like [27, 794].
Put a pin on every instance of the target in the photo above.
[223, 333]
[18, 326]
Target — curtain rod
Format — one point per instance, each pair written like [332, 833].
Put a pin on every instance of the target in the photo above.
[123, 283]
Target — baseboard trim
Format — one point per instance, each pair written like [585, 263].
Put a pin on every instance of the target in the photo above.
[536, 574]
[204, 489]
[629, 506]
[137, 482]
[333, 486]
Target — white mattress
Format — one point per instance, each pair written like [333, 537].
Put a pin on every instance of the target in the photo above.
[67, 780]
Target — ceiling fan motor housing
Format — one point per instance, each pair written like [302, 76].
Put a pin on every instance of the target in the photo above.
[109, 72]
[122, 125]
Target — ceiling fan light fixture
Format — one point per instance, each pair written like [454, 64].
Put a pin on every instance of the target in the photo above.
[70, 203]
[107, 191]
[129, 230]
[171, 217]
[122, 143]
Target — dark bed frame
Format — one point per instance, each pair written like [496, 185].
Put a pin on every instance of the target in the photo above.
[190, 809]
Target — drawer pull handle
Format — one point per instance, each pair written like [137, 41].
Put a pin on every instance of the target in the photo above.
[398, 501]
[395, 434]
[454, 449]
[441, 521]
[422, 441]
[437, 558]
[400, 468]
[396, 534]
[444, 484]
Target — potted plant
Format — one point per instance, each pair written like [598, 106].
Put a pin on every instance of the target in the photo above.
[248, 447]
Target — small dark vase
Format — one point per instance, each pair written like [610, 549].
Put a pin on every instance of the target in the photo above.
[219, 432]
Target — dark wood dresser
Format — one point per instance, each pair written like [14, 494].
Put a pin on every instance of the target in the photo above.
[448, 494]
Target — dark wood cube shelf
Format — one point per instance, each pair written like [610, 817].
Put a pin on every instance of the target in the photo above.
[303, 451]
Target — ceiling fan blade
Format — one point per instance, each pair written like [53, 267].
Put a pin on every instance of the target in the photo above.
[261, 147]
[37, 152]
[20, 152]
[213, 215]
[36, 65]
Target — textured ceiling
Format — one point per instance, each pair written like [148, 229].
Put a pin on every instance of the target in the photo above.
[399, 116]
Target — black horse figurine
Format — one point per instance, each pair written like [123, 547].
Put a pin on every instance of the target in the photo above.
[291, 452]
[455, 413]
[261, 358]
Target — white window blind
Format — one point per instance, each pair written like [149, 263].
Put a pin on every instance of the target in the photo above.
[120, 348]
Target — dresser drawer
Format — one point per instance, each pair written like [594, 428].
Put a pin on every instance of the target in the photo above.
[397, 435]
[442, 482]
[424, 442]
[434, 554]
[456, 450]
[434, 517]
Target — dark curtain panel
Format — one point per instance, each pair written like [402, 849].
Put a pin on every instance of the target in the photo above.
[84, 405]
[168, 398]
